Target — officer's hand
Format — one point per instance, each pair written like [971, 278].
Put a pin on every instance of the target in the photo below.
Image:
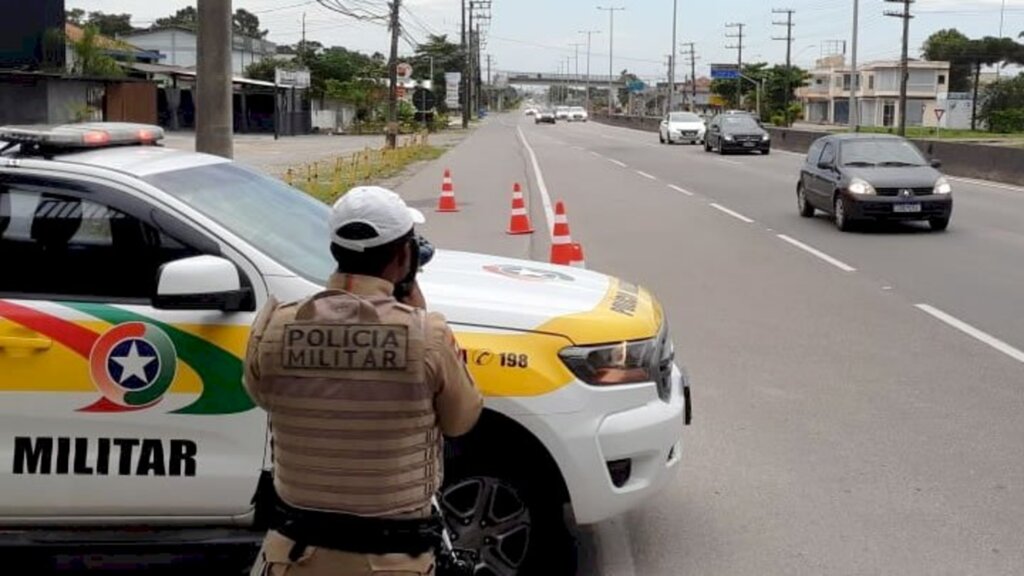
[415, 297]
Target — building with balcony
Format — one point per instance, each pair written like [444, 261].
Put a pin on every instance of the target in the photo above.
[826, 96]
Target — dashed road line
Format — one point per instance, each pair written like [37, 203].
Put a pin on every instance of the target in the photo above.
[995, 185]
[732, 213]
[729, 161]
[595, 154]
[545, 198]
[616, 162]
[973, 332]
[646, 175]
[818, 253]
[678, 189]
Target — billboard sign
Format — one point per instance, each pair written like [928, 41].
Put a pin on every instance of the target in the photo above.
[291, 78]
[725, 71]
[451, 82]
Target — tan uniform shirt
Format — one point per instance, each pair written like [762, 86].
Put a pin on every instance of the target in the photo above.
[359, 389]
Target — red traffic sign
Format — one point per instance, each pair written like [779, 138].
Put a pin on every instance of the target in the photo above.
[939, 113]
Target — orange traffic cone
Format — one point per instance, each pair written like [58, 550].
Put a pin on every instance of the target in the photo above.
[520, 221]
[561, 240]
[446, 203]
[577, 256]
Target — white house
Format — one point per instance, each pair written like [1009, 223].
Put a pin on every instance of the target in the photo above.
[178, 46]
[826, 97]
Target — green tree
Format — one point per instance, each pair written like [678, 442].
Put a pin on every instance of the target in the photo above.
[187, 17]
[247, 24]
[89, 57]
[111, 25]
[75, 16]
[951, 46]
[1002, 106]
[447, 57]
[625, 77]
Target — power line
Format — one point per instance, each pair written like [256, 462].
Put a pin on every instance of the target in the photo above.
[904, 71]
[789, 51]
[739, 48]
[692, 53]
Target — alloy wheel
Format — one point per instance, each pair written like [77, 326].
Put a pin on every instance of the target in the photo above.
[487, 517]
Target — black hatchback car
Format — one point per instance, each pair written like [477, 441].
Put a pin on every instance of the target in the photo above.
[873, 177]
[736, 132]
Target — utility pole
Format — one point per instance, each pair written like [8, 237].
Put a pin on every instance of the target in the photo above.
[904, 67]
[668, 75]
[854, 74]
[576, 59]
[1002, 20]
[692, 53]
[214, 114]
[789, 51]
[738, 47]
[465, 71]
[391, 141]
[672, 57]
[611, 53]
[588, 33]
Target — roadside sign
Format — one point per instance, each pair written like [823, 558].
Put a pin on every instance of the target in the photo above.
[724, 72]
[423, 99]
[636, 86]
[291, 78]
[939, 112]
[451, 82]
[404, 70]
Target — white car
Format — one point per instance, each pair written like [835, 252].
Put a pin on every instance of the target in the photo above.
[562, 113]
[682, 127]
[577, 114]
[132, 275]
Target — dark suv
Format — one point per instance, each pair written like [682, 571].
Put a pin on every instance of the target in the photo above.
[736, 132]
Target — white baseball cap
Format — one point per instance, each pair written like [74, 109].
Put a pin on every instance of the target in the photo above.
[378, 208]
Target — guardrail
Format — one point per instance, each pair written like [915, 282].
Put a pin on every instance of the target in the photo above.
[984, 162]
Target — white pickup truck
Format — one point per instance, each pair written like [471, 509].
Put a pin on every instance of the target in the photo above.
[132, 273]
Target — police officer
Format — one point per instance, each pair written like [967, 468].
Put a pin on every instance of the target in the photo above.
[361, 383]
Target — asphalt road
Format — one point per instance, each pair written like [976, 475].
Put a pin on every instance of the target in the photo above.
[859, 397]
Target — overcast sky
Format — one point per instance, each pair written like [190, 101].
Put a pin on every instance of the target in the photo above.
[536, 35]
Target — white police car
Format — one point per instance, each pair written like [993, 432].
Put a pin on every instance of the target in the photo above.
[131, 275]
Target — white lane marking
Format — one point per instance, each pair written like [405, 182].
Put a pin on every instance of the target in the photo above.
[729, 161]
[595, 154]
[616, 554]
[678, 189]
[996, 185]
[616, 162]
[646, 175]
[545, 198]
[973, 332]
[815, 252]
[735, 215]
[578, 148]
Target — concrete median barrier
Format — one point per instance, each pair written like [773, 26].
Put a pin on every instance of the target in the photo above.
[996, 163]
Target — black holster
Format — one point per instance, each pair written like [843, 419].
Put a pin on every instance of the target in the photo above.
[357, 534]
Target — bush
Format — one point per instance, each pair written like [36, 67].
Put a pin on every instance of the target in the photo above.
[1006, 121]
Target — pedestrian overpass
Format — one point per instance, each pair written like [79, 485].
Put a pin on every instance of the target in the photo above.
[553, 78]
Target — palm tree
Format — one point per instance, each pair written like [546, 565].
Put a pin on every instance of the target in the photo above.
[89, 58]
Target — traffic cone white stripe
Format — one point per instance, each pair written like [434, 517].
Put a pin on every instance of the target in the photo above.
[519, 211]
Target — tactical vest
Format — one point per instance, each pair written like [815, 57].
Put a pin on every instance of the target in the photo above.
[352, 416]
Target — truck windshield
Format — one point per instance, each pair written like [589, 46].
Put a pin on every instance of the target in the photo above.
[285, 224]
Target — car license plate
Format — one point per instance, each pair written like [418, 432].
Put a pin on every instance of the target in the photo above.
[748, 144]
[906, 208]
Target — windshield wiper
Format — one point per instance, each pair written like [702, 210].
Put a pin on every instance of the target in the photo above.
[898, 163]
[860, 163]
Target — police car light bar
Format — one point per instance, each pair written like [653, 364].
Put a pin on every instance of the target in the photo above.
[85, 135]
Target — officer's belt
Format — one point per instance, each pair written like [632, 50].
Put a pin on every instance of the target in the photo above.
[357, 534]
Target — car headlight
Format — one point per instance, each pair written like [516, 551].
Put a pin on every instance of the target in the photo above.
[861, 187]
[942, 186]
[613, 364]
[728, 138]
[766, 137]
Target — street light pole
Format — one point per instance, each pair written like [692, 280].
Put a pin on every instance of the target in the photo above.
[611, 54]
[588, 33]
[672, 58]
[854, 76]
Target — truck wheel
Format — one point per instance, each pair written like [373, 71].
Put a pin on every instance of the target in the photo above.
[505, 519]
